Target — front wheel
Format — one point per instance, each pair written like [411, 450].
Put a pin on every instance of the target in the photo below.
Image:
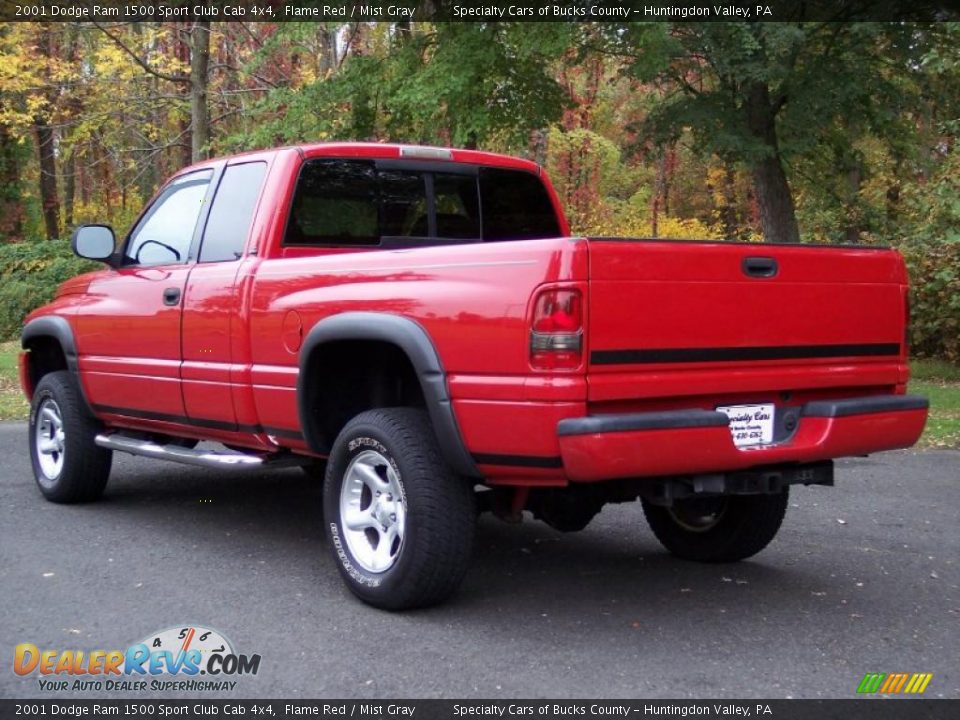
[718, 529]
[400, 522]
[68, 465]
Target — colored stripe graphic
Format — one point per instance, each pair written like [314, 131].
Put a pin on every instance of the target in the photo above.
[894, 683]
[871, 682]
[918, 683]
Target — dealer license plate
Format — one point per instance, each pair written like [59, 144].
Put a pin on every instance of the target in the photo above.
[750, 424]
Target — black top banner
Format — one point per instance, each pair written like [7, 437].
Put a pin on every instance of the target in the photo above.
[477, 10]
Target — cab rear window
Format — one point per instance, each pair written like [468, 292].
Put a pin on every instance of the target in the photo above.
[340, 202]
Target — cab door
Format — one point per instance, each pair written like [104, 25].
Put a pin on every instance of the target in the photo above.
[128, 330]
[212, 302]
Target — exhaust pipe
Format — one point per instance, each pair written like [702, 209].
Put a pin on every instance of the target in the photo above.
[190, 456]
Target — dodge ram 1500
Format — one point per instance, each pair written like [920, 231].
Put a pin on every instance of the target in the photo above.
[417, 326]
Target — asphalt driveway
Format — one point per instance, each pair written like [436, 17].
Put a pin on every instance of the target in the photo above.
[863, 578]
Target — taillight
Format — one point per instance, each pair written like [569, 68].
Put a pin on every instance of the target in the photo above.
[556, 334]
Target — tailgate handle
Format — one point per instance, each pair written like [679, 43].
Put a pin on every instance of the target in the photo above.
[764, 267]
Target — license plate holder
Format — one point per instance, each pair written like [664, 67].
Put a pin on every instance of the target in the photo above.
[750, 424]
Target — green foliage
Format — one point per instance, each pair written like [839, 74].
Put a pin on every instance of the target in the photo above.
[450, 83]
[29, 276]
[935, 298]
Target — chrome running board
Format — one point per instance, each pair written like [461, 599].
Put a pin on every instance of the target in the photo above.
[191, 456]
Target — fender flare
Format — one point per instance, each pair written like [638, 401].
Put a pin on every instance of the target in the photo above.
[414, 341]
[59, 329]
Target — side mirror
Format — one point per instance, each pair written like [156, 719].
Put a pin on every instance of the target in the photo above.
[94, 242]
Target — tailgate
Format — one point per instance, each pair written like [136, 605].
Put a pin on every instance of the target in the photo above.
[684, 318]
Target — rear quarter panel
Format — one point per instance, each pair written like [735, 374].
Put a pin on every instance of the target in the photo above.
[473, 300]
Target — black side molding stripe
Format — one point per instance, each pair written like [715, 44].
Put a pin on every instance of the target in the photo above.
[776, 352]
[530, 461]
[865, 406]
[199, 422]
[668, 419]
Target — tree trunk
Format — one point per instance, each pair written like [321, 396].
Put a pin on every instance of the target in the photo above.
[778, 216]
[199, 112]
[46, 149]
[11, 202]
[49, 201]
[660, 196]
[328, 52]
[69, 187]
[731, 226]
[854, 179]
[74, 107]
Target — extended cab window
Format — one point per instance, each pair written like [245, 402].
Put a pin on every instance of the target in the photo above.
[336, 203]
[353, 202]
[232, 212]
[164, 233]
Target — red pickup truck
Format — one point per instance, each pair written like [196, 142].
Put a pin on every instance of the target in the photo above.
[418, 322]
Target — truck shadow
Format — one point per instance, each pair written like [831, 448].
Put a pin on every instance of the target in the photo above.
[615, 568]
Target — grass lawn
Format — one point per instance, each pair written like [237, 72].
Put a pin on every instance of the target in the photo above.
[937, 380]
[940, 382]
[13, 406]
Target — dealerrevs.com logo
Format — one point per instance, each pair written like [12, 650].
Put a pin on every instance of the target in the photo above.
[188, 658]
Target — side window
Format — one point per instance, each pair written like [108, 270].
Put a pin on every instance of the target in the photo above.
[403, 204]
[350, 202]
[515, 206]
[164, 233]
[232, 211]
[457, 206]
[336, 203]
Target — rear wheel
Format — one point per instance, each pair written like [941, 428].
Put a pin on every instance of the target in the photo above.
[400, 522]
[718, 529]
[68, 465]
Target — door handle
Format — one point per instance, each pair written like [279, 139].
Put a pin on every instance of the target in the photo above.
[762, 267]
[171, 296]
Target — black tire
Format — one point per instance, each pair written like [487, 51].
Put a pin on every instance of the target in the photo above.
[740, 526]
[83, 466]
[439, 509]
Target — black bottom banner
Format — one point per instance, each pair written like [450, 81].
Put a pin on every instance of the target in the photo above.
[874, 709]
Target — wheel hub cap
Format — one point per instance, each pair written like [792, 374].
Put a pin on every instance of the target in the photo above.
[699, 515]
[373, 511]
[50, 440]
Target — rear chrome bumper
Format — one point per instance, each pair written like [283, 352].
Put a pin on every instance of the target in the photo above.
[682, 442]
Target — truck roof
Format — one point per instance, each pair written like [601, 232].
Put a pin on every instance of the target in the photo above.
[386, 151]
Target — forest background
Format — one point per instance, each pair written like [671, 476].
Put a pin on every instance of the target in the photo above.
[786, 132]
